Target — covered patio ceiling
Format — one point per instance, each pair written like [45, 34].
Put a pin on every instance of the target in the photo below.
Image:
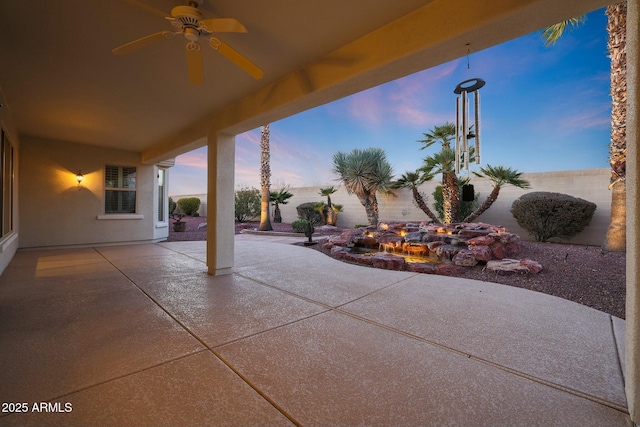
[61, 81]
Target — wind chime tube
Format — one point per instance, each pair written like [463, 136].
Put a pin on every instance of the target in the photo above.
[465, 129]
[476, 99]
[457, 135]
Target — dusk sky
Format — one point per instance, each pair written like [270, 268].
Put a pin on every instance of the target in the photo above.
[542, 109]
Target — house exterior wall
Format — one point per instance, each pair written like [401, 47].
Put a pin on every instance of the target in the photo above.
[55, 212]
[591, 185]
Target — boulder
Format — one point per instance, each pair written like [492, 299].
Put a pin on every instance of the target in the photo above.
[422, 267]
[507, 266]
[481, 241]
[465, 258]
[481, 253]
[533, 266]
[446, 252]
[415, 236]
[388, 262]
[498, 250]
[449, 269]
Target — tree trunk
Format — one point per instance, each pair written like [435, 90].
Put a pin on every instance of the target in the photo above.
[616, 29]
[493, 196]
[367, 201]
[277, 215]
[417, 197]
[616, 239]
[451, 197]
[265, 175]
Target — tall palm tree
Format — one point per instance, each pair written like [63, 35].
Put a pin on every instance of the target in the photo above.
[363, 173]
[265, 175]
[280, 197]
[617, 34]
[499, 176]
[412, 180]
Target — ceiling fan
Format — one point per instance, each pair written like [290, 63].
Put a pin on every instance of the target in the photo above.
[187, 20]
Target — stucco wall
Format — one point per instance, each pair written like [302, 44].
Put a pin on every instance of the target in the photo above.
[589, 184]
[54, 212]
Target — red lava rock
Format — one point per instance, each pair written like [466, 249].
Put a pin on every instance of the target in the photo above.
[465, 258]
[481, 241]
[449, 269]
[481, 253]
[422, 267]
[498, 250]
[533, 266]
[388, 261]
[433, 245]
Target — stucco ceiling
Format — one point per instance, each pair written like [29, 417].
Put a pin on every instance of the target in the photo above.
[61, 81]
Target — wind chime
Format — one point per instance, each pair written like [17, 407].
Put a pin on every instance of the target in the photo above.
[465, 130]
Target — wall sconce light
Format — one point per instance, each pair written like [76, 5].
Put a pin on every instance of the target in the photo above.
[79, 178]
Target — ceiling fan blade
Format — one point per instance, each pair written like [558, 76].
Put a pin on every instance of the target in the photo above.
[194, 63]
[148, 8]
[140, 43]
[236, 57]
[223, 25]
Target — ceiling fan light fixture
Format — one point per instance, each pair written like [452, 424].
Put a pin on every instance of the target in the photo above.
[191, 34]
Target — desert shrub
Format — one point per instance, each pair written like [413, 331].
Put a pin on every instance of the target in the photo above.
[172, 205]
[189, 205]
[299, 226]
[309, 212]
[248, 202]
[545, 215]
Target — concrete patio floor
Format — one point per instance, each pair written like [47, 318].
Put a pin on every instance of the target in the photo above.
[141, 335]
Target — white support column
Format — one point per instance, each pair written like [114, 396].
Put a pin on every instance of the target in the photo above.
[220, 203]
[632, 356]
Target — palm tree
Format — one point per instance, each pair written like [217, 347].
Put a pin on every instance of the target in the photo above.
[617, 34]
[444, 162]
[278, 198]
[499, 176]
[442, 134]
[330, 216]
[363, 173]
[412, 180]
[265, 175]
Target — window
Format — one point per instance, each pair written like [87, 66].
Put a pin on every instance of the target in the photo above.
[120, 189]
[6, 183]
[161, 197]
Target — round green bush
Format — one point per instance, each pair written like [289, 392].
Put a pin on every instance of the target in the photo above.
[545, 215]
[189, 205]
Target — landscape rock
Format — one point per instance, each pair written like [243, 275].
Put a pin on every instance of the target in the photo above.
[481, 253]
[388, 261]
[449, 269]
[507, 266]
[465, 258]
[533, 266]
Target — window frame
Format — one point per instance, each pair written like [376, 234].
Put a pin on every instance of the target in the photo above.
[120, 188]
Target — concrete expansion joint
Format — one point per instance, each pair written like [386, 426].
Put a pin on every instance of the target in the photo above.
[521, 374]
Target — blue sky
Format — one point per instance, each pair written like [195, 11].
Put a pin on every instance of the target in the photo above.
[542, 109]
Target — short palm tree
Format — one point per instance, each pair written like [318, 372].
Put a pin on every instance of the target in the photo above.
[330, 216]
[444, 162]
[363, 173]
[412, 180]
[280, 197]
[499, 176]
[442, 134]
